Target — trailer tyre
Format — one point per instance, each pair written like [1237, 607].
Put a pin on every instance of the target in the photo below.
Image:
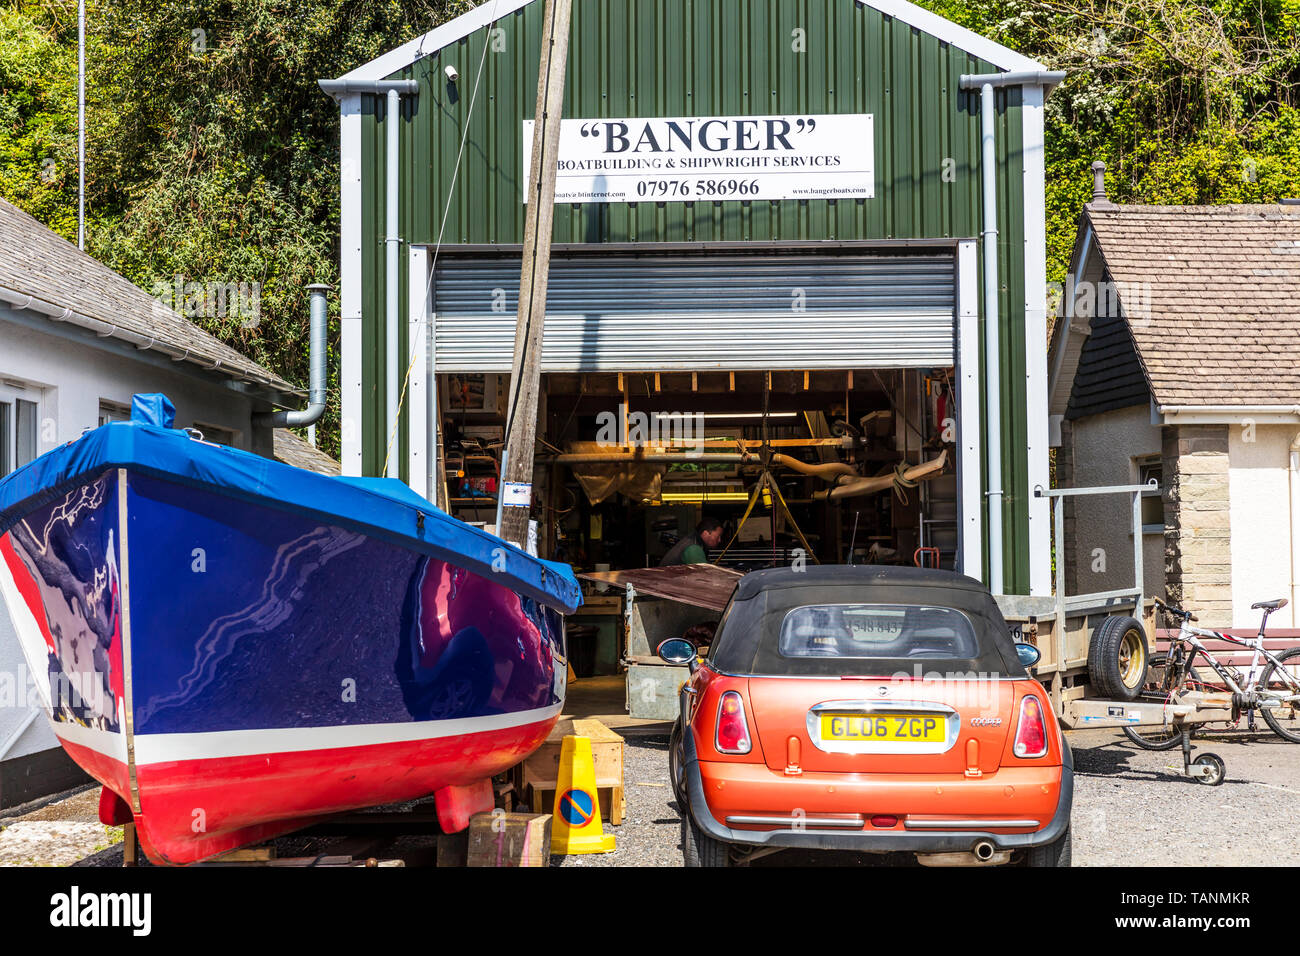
[1117, 658]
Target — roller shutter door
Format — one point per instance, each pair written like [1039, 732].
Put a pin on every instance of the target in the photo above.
[699, 312]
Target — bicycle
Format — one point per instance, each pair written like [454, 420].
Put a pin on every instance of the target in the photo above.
[1253, 691]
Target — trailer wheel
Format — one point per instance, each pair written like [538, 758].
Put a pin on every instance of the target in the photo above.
[1117, 658]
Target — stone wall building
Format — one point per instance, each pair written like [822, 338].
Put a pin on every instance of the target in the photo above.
[1177, 357]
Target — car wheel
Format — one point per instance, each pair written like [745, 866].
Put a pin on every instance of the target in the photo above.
[675, 765]
[1056, 853]
[1117, 658]
[700, 849]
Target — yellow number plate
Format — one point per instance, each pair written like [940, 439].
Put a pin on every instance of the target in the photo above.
[900, 728]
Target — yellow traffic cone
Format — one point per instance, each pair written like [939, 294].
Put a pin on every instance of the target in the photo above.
[576, 826]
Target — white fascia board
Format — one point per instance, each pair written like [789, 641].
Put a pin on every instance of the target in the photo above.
[453, 31]
[350, 281]
[1226, 414]
[487, 13]
[945, 30]
[1036, 394]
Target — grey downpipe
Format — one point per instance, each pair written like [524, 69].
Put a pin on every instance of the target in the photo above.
[986, 83]
[319, 361]
[392, 248]
[337, 88]
[393, 90]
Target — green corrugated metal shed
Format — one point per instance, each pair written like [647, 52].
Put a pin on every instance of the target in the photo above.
[641, 58]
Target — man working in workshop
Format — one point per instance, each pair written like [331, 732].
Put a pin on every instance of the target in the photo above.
[690, 550]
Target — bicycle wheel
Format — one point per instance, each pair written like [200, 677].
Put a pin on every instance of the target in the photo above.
[1284, 721]
[1162, 738]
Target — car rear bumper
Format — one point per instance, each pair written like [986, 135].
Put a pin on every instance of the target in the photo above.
[866, 840]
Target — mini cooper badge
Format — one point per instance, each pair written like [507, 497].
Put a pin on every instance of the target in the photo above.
[986, 721]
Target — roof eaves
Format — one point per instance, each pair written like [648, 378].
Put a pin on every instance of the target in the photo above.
[490, 11]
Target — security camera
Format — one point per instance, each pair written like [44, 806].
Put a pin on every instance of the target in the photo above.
[452, 73]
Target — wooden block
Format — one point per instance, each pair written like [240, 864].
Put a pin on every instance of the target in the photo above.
[248, 854]
[542, 769]
[453, 849]
[130, 846]
[510, 839]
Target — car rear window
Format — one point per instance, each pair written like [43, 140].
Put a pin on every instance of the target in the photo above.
[877, 632]
[831, 630]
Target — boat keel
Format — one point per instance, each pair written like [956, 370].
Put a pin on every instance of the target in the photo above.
[456, 804]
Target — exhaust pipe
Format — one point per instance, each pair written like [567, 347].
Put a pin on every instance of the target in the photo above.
[983, 853]
[319, 360]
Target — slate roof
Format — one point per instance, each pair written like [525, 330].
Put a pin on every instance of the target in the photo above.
[36, 262]
[1211, 295]
[292, 450]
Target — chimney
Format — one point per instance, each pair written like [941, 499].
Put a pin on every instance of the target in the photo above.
[1099, 185]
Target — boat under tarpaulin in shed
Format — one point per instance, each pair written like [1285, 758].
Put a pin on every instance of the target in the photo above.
[235, 647]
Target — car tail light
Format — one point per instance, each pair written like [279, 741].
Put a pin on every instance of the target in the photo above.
[732, 736]
[1031, 731]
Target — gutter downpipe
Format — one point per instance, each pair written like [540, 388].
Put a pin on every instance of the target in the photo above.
[319, 359]
[393, 90]
[1293, 486]
[986, 83]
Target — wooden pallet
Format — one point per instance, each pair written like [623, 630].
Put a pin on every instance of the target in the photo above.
[539, 773]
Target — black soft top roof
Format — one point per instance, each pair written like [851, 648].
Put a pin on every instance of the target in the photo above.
[853, 575]
[746, 642]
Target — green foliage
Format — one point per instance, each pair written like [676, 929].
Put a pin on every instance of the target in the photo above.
[213, 156]
[1185, 101]
[211, 153]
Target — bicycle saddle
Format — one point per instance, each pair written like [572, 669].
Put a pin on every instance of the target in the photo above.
[1269, 605]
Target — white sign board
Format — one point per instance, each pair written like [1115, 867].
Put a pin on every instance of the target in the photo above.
[712, 158]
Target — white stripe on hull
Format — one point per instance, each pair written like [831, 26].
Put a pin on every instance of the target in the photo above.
[161, 748]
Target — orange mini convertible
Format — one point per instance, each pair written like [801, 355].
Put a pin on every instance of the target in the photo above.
[868, 708]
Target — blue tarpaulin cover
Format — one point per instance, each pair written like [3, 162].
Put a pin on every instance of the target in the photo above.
[383, 508]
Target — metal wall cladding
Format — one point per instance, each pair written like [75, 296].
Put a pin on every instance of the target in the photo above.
[631, 58]
[697, 312]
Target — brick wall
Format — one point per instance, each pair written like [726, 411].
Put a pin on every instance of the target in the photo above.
[1198, 564]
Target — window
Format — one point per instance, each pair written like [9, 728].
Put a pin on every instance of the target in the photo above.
[217, 435]
[113, 412]
[876, 631]
[1153, 505]
[19, 424]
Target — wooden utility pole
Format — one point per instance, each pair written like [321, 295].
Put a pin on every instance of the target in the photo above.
[525, 378]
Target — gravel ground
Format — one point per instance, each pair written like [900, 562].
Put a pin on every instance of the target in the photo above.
[1135, 808]
[1131, 808]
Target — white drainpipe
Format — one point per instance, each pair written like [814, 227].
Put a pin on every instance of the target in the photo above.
[393, 89]
[1293, 485]
[986, 83]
